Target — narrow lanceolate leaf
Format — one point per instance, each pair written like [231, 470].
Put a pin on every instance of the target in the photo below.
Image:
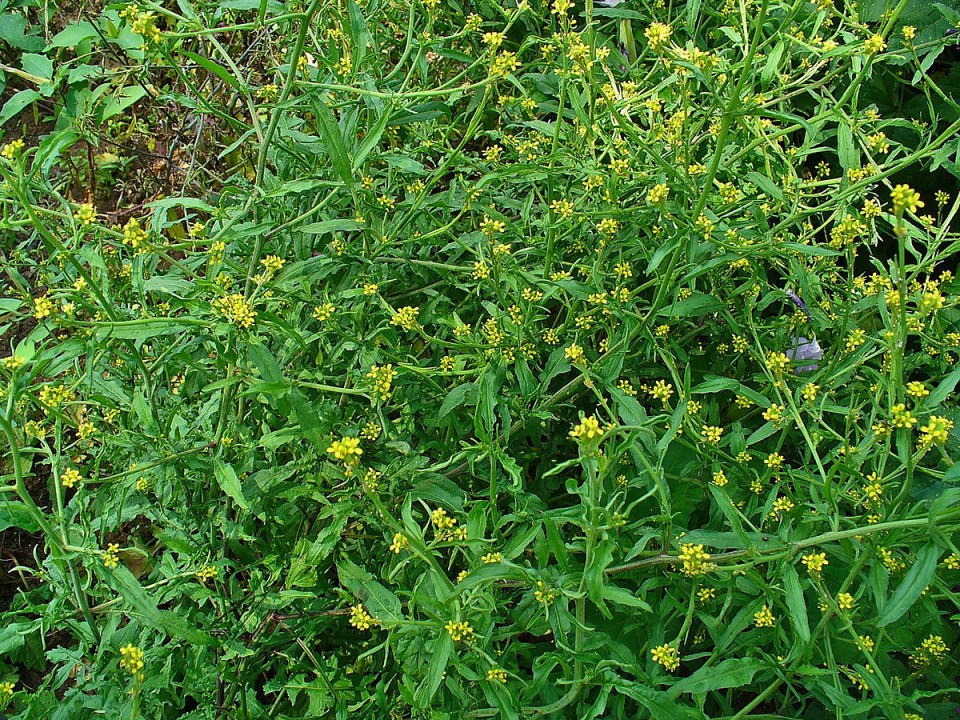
[440, 654]
[229, 482]
[735, 672]
[379, 602]
[796, 603]
[333, 140]
[913, 585]
[152, 616]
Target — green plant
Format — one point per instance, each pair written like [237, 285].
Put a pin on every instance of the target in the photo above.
[519, 360]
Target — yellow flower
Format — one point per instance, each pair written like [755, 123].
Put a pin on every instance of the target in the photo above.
[931, 650]
[719, 479]
[905, 198]
[658, 194]
[360, 618]
[544, 593]
[42, 307]
[459, 630]
[875, 44]
[711, 434]
[12, 149]
[406, 317]
[493, 40]
[70, 477]
[236, 309]
[764, 618]
[574, 354]
[608, 226]
[815, 562]
[207, 573]
[666, 655]
[901, 417]
[774, 413]
[382, 377]
[85, 214]
[399, 543]
[497, 674]
[587, 430]
[133, 234]
[111, 556]
[936, 431]
[6, 690]
[131, 660]
[346, 449]
[504, 64]
[917, 389]
[324, 312]
[563, 208]
[695, 560]
[272, 263]
[909, 32]
[658, 34]
[492, 558]
[845, 601]
[774, 461]
[777, 362]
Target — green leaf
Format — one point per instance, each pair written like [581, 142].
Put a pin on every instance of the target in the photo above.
[795, 603]
[12, 636]
[456, 397]
[15, 514]
[219, 70]
[370, 140]
[946, 386]
[773, 63]
[13, 106]
[144, 329]
[913, 585]
[488, 574]
[713, 384]
[693, 13]
[330, 226]
[116, 103]
[174, 624]
[311, 425]
[660, 704]
[229, 482]
[766, 185]
[595, 573]
[952, 474]
[845, 147]
[333, 140]
[734, 672]
[949, 13]
[438, 489]
[39, 65]
[439, 655]
[699, 304]
[13, 31]
[730, 512]
[622, 596]
[379, 602]
[73, 34]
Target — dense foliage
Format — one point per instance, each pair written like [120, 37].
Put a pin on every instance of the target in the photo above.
[427, 359]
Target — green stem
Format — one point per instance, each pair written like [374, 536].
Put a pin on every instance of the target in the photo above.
[56, 546]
